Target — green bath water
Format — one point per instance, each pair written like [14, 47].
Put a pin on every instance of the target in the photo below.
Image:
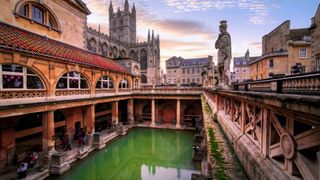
[141, 154]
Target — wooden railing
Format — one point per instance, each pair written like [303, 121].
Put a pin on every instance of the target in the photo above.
[308, 83]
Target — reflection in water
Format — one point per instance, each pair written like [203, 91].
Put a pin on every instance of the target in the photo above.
[142, 154]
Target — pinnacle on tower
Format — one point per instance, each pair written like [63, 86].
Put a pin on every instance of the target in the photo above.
[126, 6]
[110, 8]
[152, 34]
[133, 10]
[149, 35]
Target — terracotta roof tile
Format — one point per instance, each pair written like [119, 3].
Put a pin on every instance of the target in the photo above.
[21, 40]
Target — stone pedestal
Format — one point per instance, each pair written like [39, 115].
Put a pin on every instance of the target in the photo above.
[59, 163]
[97, 141]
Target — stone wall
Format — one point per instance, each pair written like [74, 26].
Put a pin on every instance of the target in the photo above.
[315, 38]
[276, 39]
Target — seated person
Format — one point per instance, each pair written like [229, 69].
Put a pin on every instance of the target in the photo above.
[22, 170]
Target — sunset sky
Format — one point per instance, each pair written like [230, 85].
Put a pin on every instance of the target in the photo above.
[189, 28]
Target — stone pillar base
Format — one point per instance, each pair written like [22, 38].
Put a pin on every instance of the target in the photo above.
[59, 163]
[98, 142]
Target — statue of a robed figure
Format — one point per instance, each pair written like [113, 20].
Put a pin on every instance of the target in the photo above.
[223, 44]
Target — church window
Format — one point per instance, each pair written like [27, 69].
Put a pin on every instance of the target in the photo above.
[14, 76]
[37, 13]
[72, 80]
[124, 84]
[143, 60]
[105, 82]
[144, 79]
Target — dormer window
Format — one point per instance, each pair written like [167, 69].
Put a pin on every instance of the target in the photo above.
[37, 13]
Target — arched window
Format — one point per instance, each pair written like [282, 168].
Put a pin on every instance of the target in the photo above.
[133, 54]
[72, 80]
[14, 76]
[124, 84]
[38, 13]
[143, 59]
[92, 45]
[104, 49]
[115, 52]
[105, 82]
[144, 79]
[122, 54]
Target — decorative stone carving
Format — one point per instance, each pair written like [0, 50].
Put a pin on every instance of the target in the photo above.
[287, 145]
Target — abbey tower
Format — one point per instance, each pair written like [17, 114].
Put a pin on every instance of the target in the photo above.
[121, 43]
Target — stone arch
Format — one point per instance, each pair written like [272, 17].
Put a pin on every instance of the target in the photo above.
[144, 79]
[143, 59]
[104, 49]
[123, 53]
[92, 45]
[133, 54]
[114, 52]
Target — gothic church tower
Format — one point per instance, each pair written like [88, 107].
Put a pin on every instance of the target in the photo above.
[122, 24]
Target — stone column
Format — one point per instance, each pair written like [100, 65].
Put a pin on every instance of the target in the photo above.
[115, 112]
[130, 112]
[48, 130]
[178, 125]
[153, 112]
[90, 118]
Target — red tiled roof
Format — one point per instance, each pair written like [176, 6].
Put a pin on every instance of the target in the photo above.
[17, 39]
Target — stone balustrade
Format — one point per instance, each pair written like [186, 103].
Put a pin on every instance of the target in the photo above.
[308, 83]
[275, 136]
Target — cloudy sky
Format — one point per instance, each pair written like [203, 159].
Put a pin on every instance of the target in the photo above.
[189, 28]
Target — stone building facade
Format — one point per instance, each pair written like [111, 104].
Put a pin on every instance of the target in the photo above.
[122, 43]
[182, 71]
[315, 47]
[285, 51]
[241, 70]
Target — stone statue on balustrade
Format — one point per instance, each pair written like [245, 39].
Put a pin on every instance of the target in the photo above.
[223, 44]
